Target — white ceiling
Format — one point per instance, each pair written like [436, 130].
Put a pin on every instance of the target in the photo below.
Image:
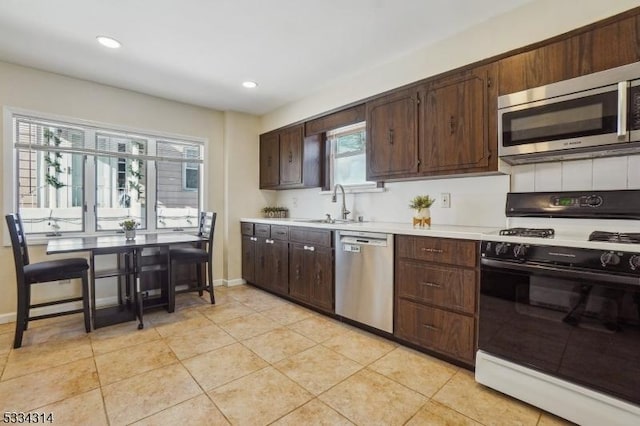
[200, 51]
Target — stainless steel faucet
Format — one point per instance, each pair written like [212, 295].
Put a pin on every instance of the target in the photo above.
[334, 199]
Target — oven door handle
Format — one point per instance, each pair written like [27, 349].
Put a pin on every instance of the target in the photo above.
[573, 274]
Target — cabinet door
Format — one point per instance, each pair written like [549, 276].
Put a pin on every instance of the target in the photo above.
[248, 258]
[262, 272]
[298, 278]
[269, 160]
[455, 134]
[279, 259]
[392, 136]
[291, 156]
[322, 288]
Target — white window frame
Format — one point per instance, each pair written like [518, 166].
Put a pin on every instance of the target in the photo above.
[10, 169]
[331, 137]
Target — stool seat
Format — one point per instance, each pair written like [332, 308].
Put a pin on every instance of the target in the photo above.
[185, 254]
[53, 270]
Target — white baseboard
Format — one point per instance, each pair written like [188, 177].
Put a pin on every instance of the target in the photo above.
[234, 282]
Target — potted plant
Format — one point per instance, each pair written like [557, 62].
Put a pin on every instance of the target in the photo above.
[421, 204]
[129, 227]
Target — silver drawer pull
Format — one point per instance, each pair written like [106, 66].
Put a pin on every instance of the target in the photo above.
[428, 284]
[253, 239]
[269, 241]
[431, 327]
[431, 250]
[310, 248]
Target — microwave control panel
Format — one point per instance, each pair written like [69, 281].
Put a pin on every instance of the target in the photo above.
[580, 201]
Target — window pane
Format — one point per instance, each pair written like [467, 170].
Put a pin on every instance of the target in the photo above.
[178, 183]
[120, 183]
[352, 143]
[50, 197]
[50, 183]
[350, 170]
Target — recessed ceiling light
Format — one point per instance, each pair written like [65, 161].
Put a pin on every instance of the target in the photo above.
[109, 42]
[250, 84]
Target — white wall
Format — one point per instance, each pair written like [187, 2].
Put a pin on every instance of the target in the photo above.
[36, 90]
[533, 22]
[242, 198]
[474, 201]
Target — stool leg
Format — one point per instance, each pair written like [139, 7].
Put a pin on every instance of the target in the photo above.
[199, 275]
[21, 315]
[85, 302]
[210, 286]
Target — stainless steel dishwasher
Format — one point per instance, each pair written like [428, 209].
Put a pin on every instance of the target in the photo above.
[364, 278]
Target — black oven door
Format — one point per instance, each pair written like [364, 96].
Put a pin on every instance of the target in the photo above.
[577, 325]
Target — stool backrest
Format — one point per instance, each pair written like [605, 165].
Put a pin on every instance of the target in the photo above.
[19, 244]
[207, 228]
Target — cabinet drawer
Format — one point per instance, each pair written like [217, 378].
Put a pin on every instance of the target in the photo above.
[279, 232]
[442, 331]
[310, 236]
[262, 230]
[246, 228]
[443, 286]
[442, 250]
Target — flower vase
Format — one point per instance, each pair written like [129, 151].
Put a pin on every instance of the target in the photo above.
[130, 234]
[422, 217]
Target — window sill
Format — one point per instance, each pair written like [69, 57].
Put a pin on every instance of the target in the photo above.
[356, 190]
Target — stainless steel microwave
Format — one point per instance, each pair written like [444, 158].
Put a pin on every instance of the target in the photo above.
[593, 115]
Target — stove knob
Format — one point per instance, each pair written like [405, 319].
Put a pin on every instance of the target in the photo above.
[634, 262]
[609, 258]
[502, 248]
[520, 251]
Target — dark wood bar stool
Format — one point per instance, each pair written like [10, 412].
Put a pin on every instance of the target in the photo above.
[197, 256]
[28, 274]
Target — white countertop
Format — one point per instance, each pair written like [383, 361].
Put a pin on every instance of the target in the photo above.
[566, 238]
[442, 231]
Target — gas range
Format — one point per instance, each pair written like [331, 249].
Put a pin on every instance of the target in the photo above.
[559, 309]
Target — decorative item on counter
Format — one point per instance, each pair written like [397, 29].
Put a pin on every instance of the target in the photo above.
[129, 227]
[421, 204]
[275, 212]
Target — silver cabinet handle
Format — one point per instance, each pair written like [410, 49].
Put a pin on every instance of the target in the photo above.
[268, 241]
[253, 239]
[431, 327]
[428, 284]
[623, 87]
[431, 250]
[310, 248]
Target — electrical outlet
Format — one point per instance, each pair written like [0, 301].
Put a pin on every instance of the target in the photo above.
[64, 282]
[445, 200]
[294, 201]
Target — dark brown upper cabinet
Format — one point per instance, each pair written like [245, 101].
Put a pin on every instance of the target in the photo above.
[335, 120]
[269, 160]
[289, 160]
[392, 135]
[458, 131]
[593, 50]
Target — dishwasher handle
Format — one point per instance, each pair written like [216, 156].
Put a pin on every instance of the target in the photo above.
[363, 241]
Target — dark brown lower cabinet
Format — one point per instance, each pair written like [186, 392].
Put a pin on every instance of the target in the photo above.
[272, 265]
[291, 261]
[436, 282]
[311, 275]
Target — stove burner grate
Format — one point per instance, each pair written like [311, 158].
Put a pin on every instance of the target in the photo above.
[529, 232]
[615, 237]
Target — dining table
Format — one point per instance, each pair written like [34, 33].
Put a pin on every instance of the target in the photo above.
[145, 255]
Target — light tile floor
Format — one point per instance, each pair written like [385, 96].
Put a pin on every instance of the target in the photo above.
[251, 359]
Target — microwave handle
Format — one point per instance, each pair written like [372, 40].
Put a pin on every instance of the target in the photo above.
[623, 88]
